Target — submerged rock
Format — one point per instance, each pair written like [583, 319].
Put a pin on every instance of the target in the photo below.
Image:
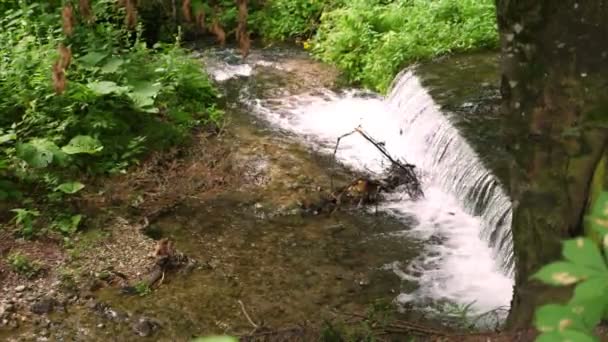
[145, 327]
[43, 306]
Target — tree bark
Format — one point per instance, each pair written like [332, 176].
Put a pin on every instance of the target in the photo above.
[555, 97]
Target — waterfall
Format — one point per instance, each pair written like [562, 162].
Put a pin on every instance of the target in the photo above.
[464, 219]
[452, 163]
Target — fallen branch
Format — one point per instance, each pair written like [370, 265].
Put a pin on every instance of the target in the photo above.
[402, 171]
[255, 326]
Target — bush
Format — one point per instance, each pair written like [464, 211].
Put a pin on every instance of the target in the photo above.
[121, 99]
[585, 268]
[22, 265]
[370, 41]
[285, 19]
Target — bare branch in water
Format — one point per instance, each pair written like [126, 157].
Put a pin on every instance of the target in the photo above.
[401, 172]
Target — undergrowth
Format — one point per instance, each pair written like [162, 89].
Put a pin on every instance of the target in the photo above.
[116, 99]
[372, 40]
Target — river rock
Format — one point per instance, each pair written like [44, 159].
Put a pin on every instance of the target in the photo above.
[43, 306]
[20, 288]
[145, 327]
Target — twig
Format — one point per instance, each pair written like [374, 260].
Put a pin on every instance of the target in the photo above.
[331, 175]
[413, 187]
[255, 326]
[162, 277]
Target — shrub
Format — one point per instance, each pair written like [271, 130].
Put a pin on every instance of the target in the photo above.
[371, 41]
[21, 264]
[120, 99]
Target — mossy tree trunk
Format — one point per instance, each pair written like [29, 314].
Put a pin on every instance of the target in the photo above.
[555, 96]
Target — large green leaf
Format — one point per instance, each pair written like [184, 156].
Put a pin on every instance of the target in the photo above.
[565, 336]
[590, 310]
[143, 94]
[92, 58]
[106, 87]
[39, 153]
[584, 252]
[70, 187]
[555, 317]
[83, 144]
[596, 287]
[564, 273]
[112, 65]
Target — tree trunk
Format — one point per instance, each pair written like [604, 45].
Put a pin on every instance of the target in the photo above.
[555, 96]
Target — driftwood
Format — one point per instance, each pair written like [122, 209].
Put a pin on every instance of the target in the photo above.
[400, 173]
[167, 259]
[365, 190]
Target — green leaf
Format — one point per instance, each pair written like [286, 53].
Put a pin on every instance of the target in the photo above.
[68, 224]
[92, 58]
[564, 273]
[143, 93]
[592, 288]
[33, 156]
[565, 336]
[599, 213]
[70, 187]
[589, 310]
[555, 317]
[7, 137]
[112, 66]
[106, 87]
[83, 144]
[584, 252]
[39, 153]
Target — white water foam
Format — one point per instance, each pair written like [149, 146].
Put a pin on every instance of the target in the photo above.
[459, 264]
[462, 268]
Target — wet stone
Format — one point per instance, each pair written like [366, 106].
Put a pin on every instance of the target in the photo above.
[145, 327]
[43, 306]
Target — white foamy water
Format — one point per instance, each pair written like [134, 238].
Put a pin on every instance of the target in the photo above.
[464, 216]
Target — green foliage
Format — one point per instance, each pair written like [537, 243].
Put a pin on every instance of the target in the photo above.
[284, 19]
[24, 219]
[67, 224]
[585, 267]
[142, 289]
[122, 99]
[371, 41]
[21, 264]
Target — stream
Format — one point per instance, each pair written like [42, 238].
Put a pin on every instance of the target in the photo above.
[442, 255]
[464, 218]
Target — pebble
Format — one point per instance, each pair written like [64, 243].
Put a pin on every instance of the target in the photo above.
[20, 288]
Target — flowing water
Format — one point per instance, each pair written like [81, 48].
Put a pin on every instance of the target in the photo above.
[465, 216]
[451, 247]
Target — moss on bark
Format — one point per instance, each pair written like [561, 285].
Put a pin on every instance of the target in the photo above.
[555, 76]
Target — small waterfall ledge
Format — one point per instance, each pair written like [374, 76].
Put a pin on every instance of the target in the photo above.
[452, 163]
[464, 219]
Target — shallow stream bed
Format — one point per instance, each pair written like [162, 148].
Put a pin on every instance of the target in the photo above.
[254, 243]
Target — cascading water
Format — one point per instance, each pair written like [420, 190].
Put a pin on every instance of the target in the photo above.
[464, 218]
[456, 169]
